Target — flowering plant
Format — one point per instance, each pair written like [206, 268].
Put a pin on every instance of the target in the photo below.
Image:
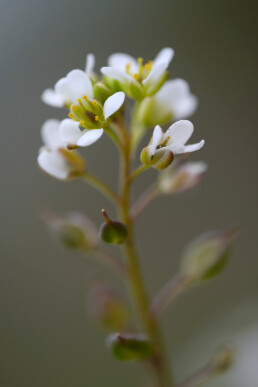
[96, 105]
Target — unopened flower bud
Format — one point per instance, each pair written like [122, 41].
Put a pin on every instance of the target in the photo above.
[126, 347]
[101, 92]
[207, 256]
[107, 308]
[223, 359]
[74, 230]
[112, 231]
[159, 160]
[181, 177]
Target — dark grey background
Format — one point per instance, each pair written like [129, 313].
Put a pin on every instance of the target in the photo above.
[47, 338]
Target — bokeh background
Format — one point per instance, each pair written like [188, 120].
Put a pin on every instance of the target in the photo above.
[46, 337]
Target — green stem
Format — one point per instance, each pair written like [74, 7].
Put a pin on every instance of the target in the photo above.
[158, 361]
[144, 200]
[101, 186]
[170, 291]
[111, 261]
[138, 171]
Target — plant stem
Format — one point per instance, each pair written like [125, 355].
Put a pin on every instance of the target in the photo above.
[169, 293]
[111, 261]
[144, 200]
[206, 373]
[101, 186]
[158, 361]
[138, 171]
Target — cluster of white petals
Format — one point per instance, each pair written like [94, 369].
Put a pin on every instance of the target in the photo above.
[129, 71]
[174, 139]
[175, 98]
[50, 159]
[91, 115]
[71, 87]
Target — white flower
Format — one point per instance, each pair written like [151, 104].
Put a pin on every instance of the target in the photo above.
[174, 139]
[53, 158]
[160, 152]
[71, 134]
[73, 86]
[182, 176]
[132, 74]
[175, 98]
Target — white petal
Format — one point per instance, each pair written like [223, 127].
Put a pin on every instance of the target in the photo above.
[90, 63]
[89, 137]
[54, 164]
[117, 74]
[176, 148]
[154, 75]
[50, 134]
[176, 95]
[69, 131]
[50, 97]
[78, 85]
[156, 137]
[194, 168]
[164, 56]
[61, 88]
[120, 61]
[193, 147]
[180, 132]
[113, 103]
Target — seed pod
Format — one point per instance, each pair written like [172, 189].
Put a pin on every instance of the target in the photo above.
[130, 346]
[112, 231]
[207, 255]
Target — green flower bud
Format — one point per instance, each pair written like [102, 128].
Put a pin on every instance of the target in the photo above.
[74, 230]
[101, 92]
[207, 256]
[151, 114]
[126, 347]
[223, 359]
[112, 231]
[136, 91]
[160, 160]
[107, 308]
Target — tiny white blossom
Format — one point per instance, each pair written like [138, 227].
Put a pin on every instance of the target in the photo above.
[53, 158]
[175, 98]
[73, 86]
[181, 177]
[174, 139]
[71, 133]
[131, 73]
[164, 146]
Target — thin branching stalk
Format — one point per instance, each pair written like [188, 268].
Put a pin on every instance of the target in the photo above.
[171, 290]
[112, 262]
[144, 200]
[101, 186]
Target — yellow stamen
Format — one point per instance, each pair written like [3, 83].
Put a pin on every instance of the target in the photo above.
[85, 97]
[94, 102]
[148, 65]
[70, 115]
[127, 67]
[79, 100]
[136, 76]
[75, 108]
[96, 118]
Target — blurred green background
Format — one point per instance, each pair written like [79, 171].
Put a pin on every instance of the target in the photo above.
[46, 337]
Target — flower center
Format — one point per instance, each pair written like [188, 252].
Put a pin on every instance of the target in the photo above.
[143, 70]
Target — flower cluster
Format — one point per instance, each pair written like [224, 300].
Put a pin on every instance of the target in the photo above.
[95, 103]
[95, 106]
